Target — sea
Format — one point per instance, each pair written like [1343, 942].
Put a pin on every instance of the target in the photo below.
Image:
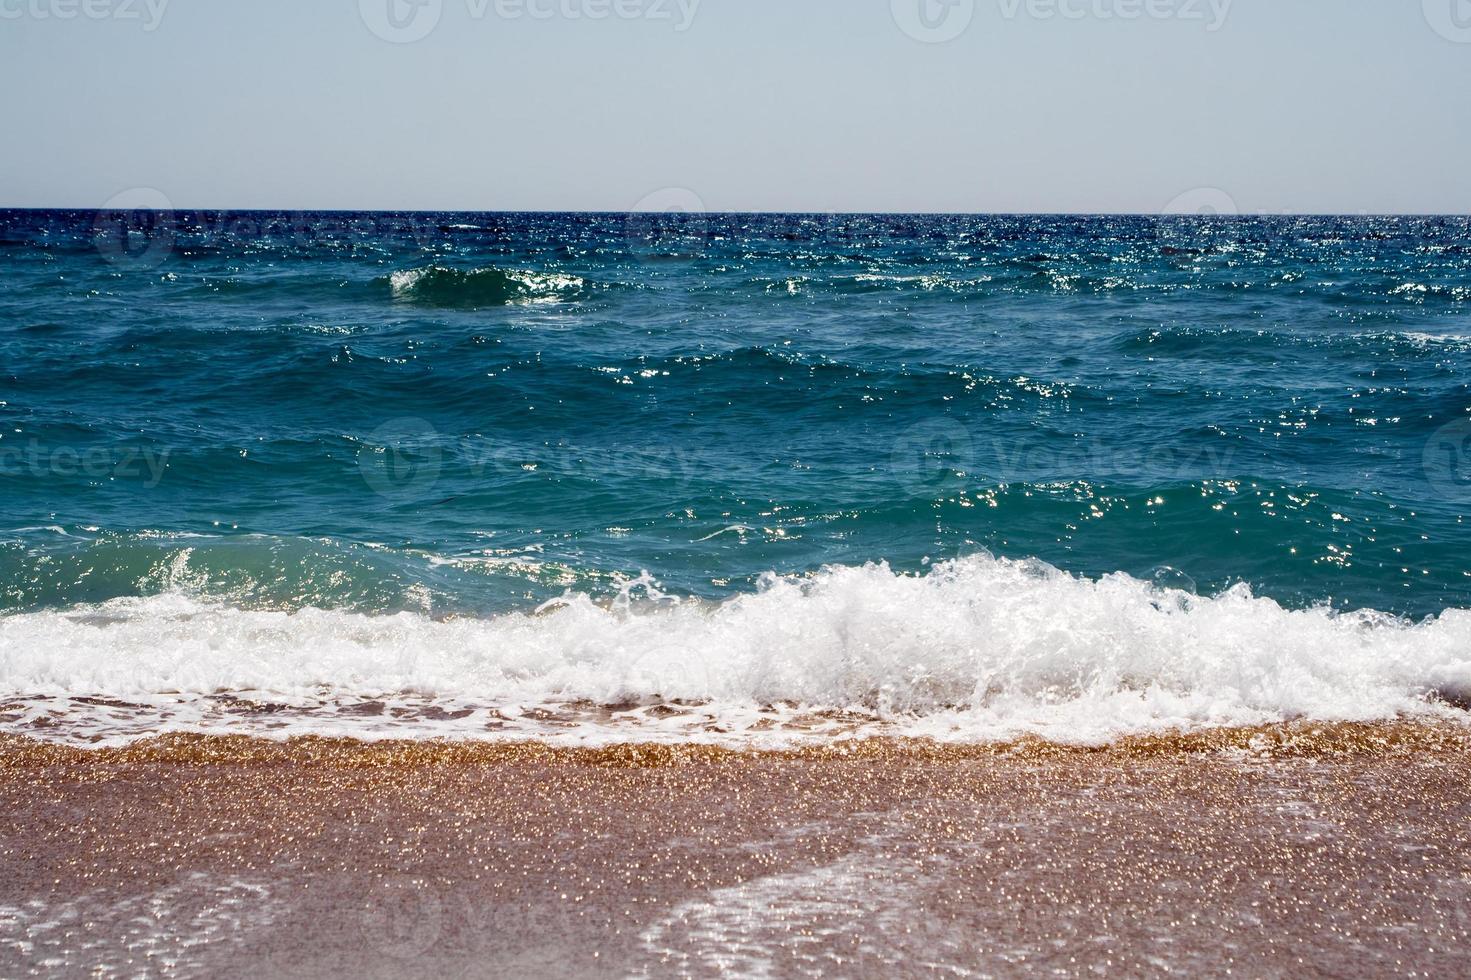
[749, 479]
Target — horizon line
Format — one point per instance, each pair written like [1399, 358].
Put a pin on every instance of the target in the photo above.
[740, 213]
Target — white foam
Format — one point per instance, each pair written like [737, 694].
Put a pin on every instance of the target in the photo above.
[978, 649]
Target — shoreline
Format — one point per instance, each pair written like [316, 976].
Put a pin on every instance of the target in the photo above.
[1304, 849]
[1288, 740]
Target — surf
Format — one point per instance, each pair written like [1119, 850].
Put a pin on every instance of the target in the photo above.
[975, 650]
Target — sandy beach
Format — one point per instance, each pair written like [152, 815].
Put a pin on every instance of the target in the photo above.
[1322, 851]
[759, 490]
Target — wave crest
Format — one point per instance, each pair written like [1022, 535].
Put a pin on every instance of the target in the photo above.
[478, 288]
[979, 649]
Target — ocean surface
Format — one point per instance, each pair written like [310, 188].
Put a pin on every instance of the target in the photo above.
[746, 478]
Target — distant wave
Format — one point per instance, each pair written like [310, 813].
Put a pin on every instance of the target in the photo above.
[477, 288]
[979, 649]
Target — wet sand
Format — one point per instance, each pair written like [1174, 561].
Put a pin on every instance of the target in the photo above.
[1331, 851]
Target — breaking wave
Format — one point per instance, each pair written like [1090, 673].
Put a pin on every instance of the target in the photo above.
[979, 649]
[478, 288]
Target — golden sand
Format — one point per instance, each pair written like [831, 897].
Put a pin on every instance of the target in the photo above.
[1317, 740]
[1310, 850]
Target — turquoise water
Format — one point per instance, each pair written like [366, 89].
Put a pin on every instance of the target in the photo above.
[600, 477]
[473, 413]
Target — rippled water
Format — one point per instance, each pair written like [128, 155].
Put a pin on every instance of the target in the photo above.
[667, 427]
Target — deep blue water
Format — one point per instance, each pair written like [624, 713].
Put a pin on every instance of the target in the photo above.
[476, 412]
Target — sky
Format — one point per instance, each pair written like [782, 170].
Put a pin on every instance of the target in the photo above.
[1254, 106]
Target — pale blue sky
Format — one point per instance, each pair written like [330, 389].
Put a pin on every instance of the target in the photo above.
[813, 105]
